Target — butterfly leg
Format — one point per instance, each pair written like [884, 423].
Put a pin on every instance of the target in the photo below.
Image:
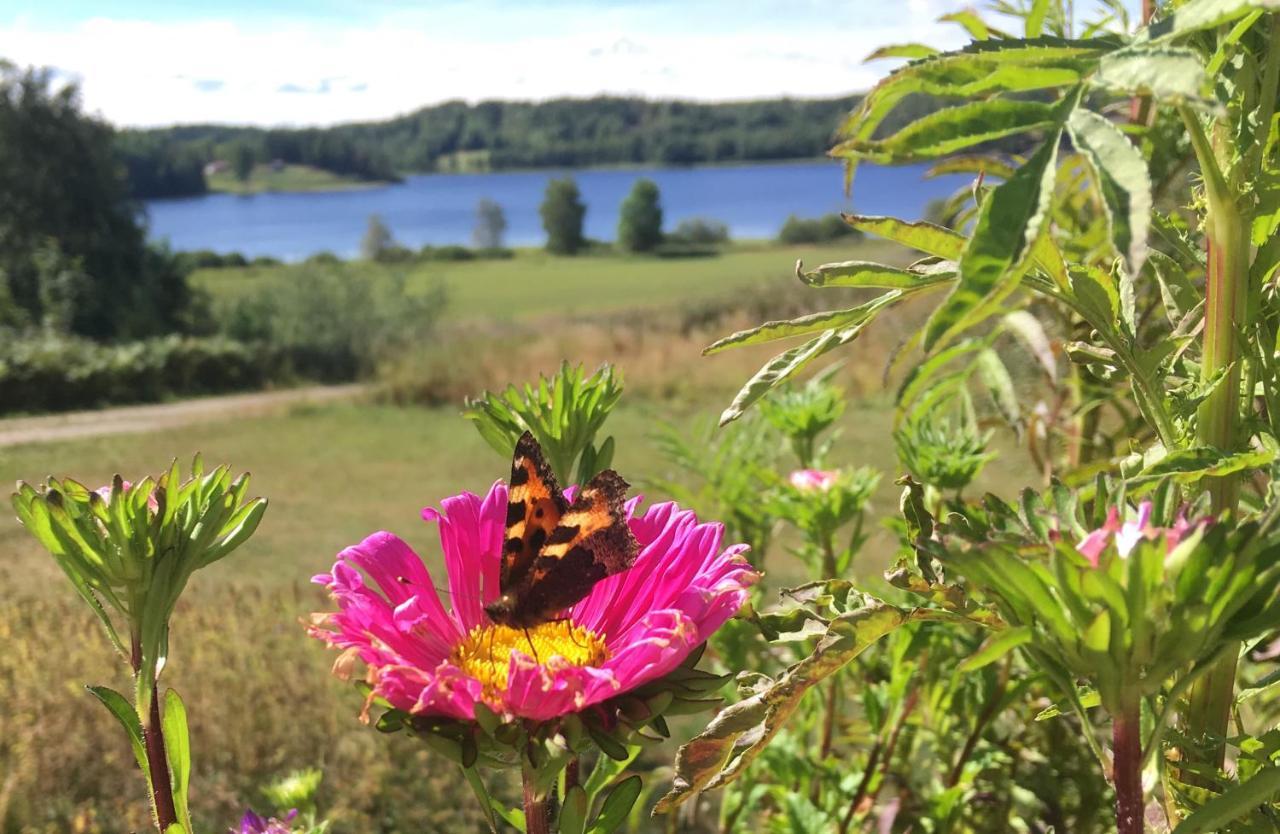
[534, 648]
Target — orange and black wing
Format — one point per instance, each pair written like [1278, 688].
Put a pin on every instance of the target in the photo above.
[592, 541]
[535, 506]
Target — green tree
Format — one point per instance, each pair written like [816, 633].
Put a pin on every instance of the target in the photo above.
[377, 239]
[562, 212]
[243, 159]
[640, 221]
[491, 225]
[61, 182]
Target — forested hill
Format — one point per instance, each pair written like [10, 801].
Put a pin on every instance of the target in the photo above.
[456, 136]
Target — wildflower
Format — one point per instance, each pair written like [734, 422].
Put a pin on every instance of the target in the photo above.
[251, 823]
[632, 628]
[813, 480]
[1129, 533]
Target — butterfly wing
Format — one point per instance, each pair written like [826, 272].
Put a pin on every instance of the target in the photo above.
[592, 541]
[535, 506]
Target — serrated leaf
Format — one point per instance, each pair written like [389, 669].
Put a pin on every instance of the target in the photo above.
[1008, 225]
[734, 738]
[1238, 801]
[1200, 14]
[864, 274]
[813, 323]
[1123, 181]
[922, 235]
[1171, 74]
[946, 131]
[910, 51]
[789, 363]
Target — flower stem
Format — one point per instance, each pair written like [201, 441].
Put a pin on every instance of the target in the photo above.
[537, 813]
[158, 764]
[1126, 770]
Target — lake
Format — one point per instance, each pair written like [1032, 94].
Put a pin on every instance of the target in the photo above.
[753, 200]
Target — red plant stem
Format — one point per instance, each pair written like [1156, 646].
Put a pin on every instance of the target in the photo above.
[1126, 771]
[537, 814]
[158, 764]
[157, 759]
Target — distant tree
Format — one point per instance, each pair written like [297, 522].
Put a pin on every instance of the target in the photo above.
[60, 180]
[562, 212]
[243, 159]
[816, 230]
[640, 220]
[491, 225]
[700, 230]
[377, 239]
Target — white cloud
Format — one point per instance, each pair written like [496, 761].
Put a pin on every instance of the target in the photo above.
[137, 72]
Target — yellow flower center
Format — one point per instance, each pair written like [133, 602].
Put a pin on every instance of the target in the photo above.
[485, 653]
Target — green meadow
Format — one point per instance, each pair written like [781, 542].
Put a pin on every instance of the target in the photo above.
[337, 472]
[285, 178]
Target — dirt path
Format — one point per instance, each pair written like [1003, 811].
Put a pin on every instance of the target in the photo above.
[48, 428]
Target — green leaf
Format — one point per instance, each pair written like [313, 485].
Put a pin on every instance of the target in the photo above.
[1123, 180]
[1186, 466]
[972, 24]
[902, 50]
[927, 237]
[825, 321]
[999, 384]
[1008, 225]
[1237, 802]
[1087, 698]
[786, 365]
[996, 647]
[1034, 24]
[1171, 74]
[1198, 15]
[573, 811]
[734, 738]
[617, 805]
[865, 274]
[124, 712]
[954, 128]
[177, 748]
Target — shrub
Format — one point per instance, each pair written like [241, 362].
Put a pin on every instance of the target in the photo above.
[815, 230]
[700, 230]
[640, 219]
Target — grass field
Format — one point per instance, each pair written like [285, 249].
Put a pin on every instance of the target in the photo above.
[535, 283]
[262, 698]
[287, 178]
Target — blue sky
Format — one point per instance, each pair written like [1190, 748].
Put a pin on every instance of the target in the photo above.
[296, 62]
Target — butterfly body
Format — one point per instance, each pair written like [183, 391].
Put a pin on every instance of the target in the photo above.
[555, 550]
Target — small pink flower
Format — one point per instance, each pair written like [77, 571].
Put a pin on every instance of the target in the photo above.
[252, 823]
[440, 657]
[814, 480]
[105, 492]
[1129, 533]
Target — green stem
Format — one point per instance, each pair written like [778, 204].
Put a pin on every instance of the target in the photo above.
[1226, 312]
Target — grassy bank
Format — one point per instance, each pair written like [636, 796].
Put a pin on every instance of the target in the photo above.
[286, 178]
[535, 283]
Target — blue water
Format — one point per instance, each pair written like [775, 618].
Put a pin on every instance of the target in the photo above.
[753, 200]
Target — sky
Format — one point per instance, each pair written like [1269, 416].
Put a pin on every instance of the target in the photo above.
[319, 62]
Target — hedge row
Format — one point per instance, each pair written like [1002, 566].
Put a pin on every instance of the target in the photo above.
[56, 374]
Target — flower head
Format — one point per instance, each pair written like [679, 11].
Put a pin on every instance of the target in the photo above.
[437, 657]
[813, 480]
[1127, 534]
[252, 823]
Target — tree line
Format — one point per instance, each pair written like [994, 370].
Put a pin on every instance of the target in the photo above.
[494, 135]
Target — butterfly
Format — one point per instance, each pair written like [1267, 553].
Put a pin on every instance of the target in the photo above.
[556, 551]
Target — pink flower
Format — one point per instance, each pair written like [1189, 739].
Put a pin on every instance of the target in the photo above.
[813, 480]
[434, 657]
[1128, 534]
[251, 823]
[105, 493]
